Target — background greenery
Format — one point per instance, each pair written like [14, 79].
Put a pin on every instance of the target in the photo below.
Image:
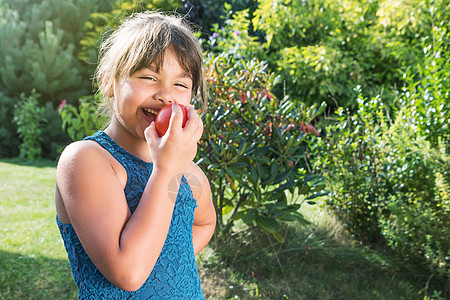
[344, 103]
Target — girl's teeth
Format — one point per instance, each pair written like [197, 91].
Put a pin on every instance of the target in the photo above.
[151, 111]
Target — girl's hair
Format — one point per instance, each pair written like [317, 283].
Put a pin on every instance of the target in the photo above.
[142, 40]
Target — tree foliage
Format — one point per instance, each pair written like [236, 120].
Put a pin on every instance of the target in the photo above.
[323, 49]
[39, 41]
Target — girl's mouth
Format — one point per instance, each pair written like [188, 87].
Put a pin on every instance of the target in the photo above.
[150, 114]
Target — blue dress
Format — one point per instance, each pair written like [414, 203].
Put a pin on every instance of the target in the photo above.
[174, 275]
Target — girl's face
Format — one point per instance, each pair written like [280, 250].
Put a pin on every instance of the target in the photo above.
[138, 98]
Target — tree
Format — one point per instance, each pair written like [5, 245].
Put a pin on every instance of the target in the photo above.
[39, 41]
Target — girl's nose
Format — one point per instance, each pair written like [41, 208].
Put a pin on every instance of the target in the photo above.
[165, 96]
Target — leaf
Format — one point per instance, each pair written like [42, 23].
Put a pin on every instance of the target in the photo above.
[304, 190]
[242, 147]
[227, 209]
[273, 170]
[281, 177]
[231, 182]
[249, 216]
[319, 187]
[286, 186]
[260, 170]
[238, 165]
[279, 237]
[253, 174]
[269, 225]
[300, 218]
[238, 215]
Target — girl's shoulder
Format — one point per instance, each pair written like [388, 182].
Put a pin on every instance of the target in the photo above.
[81, 158]
[84, 150]
[86, 154]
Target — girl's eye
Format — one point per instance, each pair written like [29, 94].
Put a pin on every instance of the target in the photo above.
[181, 85]
[148, 78]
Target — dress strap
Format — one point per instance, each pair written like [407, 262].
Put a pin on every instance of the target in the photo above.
[112, 147]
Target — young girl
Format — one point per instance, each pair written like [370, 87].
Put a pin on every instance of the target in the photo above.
[130, 222]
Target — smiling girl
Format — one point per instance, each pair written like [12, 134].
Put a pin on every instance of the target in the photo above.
[130, 222]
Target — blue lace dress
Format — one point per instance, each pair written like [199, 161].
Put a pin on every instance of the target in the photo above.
[174, 275]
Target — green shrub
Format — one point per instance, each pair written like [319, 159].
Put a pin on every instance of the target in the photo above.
[45, 122]
[235, 36]
[349, 155]
[29, 117]
[388, 183]
[427, 92]
[253, 147]
[416, 223]
[54, 138]
[322, 49]
[389, 164]
[83, 120]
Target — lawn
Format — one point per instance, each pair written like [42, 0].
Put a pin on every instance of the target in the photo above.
[317, 262]
[33, 262]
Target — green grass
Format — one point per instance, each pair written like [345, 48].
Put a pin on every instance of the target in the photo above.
[317, 262]
[33, 262]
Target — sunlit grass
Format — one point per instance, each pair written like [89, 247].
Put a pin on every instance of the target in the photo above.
[33, 262]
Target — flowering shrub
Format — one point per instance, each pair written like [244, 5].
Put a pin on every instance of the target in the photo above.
[83, 120]
[252, 148]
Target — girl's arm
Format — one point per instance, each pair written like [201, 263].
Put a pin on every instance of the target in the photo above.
[205, 214]
[124, 247]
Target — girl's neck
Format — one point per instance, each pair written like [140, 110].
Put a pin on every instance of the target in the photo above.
[131, 143]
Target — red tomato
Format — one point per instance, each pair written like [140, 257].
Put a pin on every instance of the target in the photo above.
[163, 118]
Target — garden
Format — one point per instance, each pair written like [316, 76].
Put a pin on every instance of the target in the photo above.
[326, 142]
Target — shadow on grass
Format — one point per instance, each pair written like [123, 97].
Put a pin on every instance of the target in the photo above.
[310, 265]
[38, 163]
[28, 277]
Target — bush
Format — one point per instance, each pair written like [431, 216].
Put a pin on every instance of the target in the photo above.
[388, 183]
[427, 92]
[40, 128]
[416, 223]
[208, 12]
[349, 156]
[53, 137]
[253, 147]
[29, 118]
[234, 36]
[84, 120]
[389, 164]
[322, 49]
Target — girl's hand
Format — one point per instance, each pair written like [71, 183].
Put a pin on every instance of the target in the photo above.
[173, 152]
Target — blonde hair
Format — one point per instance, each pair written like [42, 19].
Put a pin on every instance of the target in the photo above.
[141, 40]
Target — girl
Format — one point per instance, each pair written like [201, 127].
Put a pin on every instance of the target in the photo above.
[130, 222]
